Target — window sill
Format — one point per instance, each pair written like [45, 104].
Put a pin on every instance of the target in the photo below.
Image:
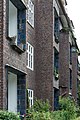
[30, 68]
[30, 24]
[17, 48]
[56, 38]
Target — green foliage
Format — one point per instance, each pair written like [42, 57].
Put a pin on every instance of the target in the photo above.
[78, 111]
[41, 106]
[40, 116]
[68, 107]
[62, 115]
[4, 115]
[41, 111]
[79, 95]
[77, 118]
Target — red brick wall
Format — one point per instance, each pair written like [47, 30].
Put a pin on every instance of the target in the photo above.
[44, 50]
[74, 75]
[10, 56]
[1, 54]
[64, 74]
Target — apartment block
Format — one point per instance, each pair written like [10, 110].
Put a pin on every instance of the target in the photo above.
[68, 62]
[13, 65]
[38, 52]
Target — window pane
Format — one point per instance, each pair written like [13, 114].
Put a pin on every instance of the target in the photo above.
[30, 10]
[31, 93]
[29, 57]
[29, 48]
[12, 20]
[29, 64]
[31, 102]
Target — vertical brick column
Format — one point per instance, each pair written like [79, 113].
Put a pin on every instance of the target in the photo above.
[74, 74]
[64, 74]
[1, 54]
[44, 49]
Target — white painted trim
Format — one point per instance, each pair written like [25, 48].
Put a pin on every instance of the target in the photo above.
[56, 6]
[30, 95]
[30, 13]
[30, 51]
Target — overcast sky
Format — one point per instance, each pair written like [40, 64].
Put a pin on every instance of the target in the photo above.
[74, 14]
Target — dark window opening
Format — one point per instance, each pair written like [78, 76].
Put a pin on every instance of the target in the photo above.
[70, 79]
[56, 64]
[56, 26]
[56, 99]
[70, 54]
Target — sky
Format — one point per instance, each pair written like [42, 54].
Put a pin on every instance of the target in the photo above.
[73, 9]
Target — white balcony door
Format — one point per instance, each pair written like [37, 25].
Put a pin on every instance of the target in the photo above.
[12, 92]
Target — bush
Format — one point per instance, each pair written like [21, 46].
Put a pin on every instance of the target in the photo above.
[4, 115]
[68, 106]
[62, 115]
[41, 111]
[77, 118]
[41, 106]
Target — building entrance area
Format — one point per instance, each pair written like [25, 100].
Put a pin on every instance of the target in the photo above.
[16, 91]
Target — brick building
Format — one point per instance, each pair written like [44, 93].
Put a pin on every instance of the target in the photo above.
[31, 54]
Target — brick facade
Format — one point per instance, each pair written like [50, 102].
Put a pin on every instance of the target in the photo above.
[41, 37]
[1, 54]
[74, 75]
[44, 50]
[10, 56]
[64, 63]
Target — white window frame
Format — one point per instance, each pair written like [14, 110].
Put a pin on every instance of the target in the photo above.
[30, 13]
[30, 96]
[30, 53]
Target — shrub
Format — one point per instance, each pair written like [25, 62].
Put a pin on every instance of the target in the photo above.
[4, 115]
[41, 111]
[41, 106]
[68, 105]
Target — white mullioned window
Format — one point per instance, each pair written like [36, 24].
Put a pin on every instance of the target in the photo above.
[30, 53]
[30, 13]
[30, 96]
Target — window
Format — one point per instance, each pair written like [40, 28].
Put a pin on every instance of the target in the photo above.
[30, 12]
[12, 21]
[16, 24]
[70, 54]
[30, 52]
[30, 95]
[56, 26]
[56, 64]
[70, 79]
